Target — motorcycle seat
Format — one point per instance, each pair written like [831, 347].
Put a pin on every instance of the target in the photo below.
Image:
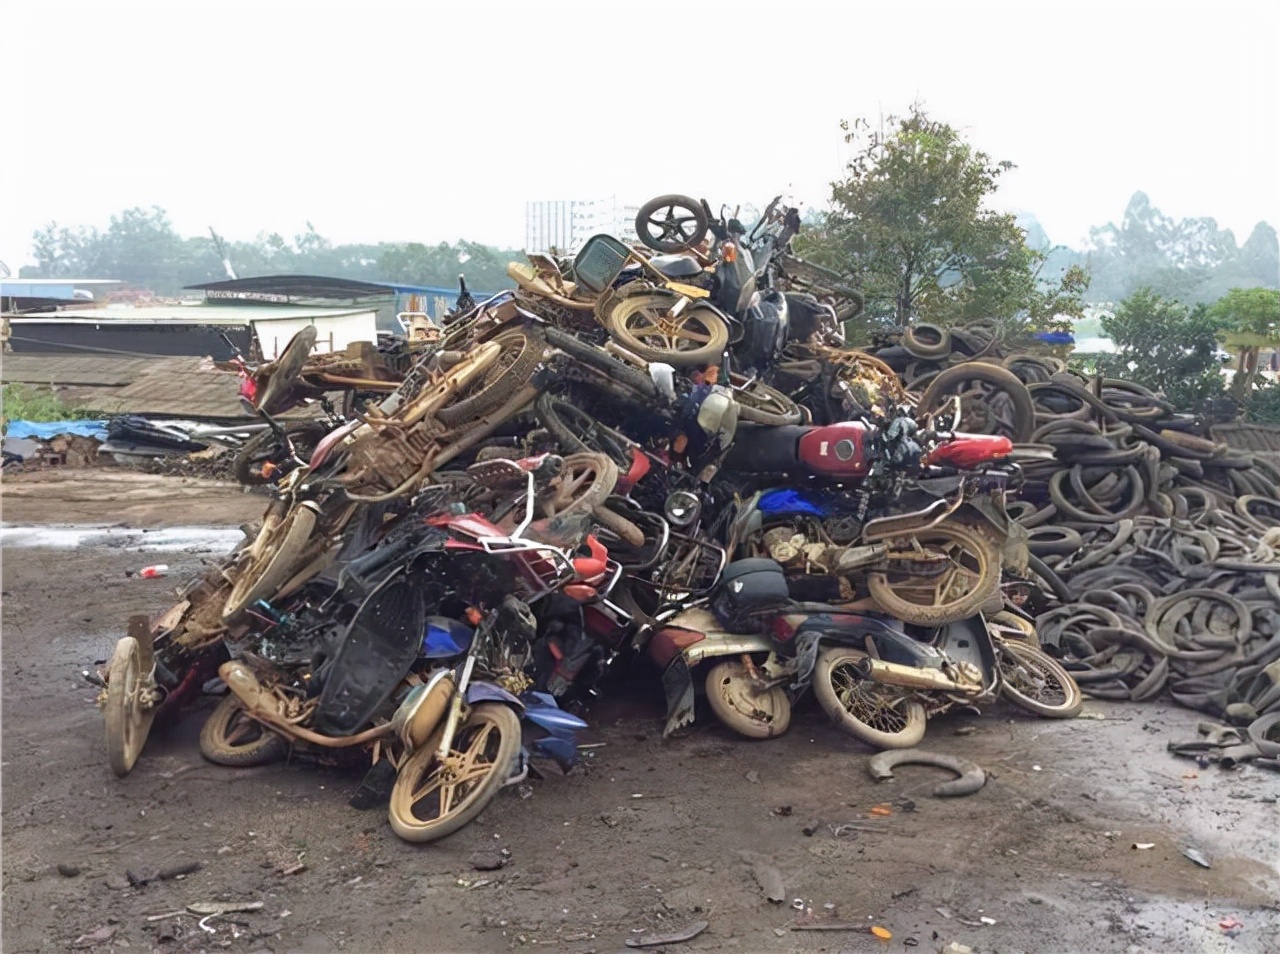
[759, 448]
[676, 266]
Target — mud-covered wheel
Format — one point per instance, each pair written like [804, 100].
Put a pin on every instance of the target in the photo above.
[287, 369]
[957, 570]
[128, 709]
[434, 797]
[672, 223]
[884, 717]
[520, 351]
[755, 713]
[273, 557]
[1037, 683]
[653, 326]
[230, 737]
[761, 404]
[993, 400]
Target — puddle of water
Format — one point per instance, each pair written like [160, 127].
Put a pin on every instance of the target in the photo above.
[200, 540]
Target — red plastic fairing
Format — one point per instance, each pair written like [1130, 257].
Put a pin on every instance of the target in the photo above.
[969, 450]
[639, 467]
[836, 450]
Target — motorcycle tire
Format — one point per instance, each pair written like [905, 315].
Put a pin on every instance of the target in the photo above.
[265, 446]
[261, 576]
[699, 324]
[599, 359]
[761, 404]
[128, 721]
[569, 425]
[750, 713]
[696, 217]
[522, 351]
[977, 548]
[419, 776]
[1024, 409]
[230, 737]
[287, 369]
[882, 716]
[1015, 660]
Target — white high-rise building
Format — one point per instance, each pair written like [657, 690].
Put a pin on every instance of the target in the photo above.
[564, 224]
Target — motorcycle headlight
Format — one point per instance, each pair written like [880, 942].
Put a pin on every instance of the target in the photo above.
[682, 508]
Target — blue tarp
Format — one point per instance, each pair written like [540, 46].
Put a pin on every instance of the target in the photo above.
[46, 430]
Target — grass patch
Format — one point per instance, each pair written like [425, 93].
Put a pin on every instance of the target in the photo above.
[24, 403]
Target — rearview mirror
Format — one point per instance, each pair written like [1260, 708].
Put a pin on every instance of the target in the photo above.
[599, 263]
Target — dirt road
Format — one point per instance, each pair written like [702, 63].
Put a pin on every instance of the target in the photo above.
[646, 836]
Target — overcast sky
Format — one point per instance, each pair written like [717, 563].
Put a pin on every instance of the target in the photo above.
[437, 121]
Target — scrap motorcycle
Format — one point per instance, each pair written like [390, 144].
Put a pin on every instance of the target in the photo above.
[424, 653]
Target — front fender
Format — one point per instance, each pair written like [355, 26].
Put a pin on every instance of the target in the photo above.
[488, 692]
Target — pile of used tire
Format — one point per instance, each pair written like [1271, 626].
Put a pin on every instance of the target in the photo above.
[1157, 548]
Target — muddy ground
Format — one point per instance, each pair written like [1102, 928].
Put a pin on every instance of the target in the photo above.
[645, 836]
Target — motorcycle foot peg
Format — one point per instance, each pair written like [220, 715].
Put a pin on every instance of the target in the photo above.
[375, 788]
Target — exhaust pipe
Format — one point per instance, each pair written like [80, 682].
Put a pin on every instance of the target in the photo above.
[260, 703]
[895, 674]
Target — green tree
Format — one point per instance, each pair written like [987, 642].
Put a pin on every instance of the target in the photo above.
[910, 220]
[1166, 346]
[1251, 319]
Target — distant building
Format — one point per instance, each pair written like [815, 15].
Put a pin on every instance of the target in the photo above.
[564, 224]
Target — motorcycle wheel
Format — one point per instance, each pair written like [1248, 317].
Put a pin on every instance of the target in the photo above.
[762, 404]
[1035, 682]
[264, 447]
[432, 798]
[521, 352]
[579, 432]
[993, 400]
[128, 716]
[672, 223]
[1015, 622]
[277, 556]
[743, 708]
[230, 737]
[882, 716]
[959, 591]
[287, 369]
[642, 324]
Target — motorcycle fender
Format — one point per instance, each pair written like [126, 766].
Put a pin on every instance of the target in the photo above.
[488, 692]
[552, 717]
[726, 644]
[677, 684]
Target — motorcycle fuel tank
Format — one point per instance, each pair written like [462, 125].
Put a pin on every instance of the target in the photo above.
[835, 450]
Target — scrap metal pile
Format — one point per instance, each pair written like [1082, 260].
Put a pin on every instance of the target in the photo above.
[669, 467]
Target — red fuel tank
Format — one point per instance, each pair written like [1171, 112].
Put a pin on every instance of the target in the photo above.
[836, 450]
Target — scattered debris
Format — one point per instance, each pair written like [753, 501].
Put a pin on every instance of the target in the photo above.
[770, 881]
[99, 935]
[753, 776]
[671, 937]
[782, 811]
[489, 860]
[293, 869]
[215, 908]
[1230, 926]
[68, 870]
[971, 776]
[1196, 856]
[163, 874]
[1144, 845]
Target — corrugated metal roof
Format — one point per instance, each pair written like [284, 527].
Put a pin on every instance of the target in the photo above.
[197, 313]
[1249, 437]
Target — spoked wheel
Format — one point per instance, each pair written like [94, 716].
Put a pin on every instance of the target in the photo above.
[762, 404]
[1035, 682]
[272, 558]
[884, 717]
[287, 369]
[584, 484]
[230, 737]
[655, 327]
[434, 797]
[672, 223]
[755, 713]
[992, 400]
[129, 705]
[580, 432]
[521, 350]
[937, 575]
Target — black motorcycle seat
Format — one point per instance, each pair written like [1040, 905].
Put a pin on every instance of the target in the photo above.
[761, 449]
[676, 266]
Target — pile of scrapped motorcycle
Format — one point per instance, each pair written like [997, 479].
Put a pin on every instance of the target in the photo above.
[632, 465]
